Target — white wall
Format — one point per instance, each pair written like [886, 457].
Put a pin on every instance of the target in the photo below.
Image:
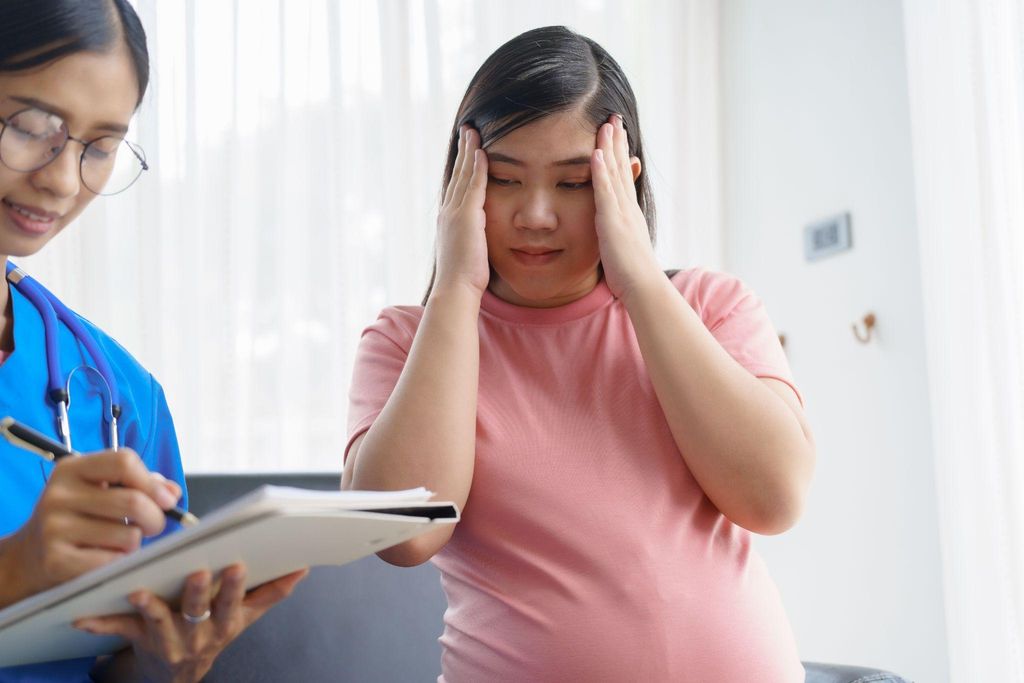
[815, 123]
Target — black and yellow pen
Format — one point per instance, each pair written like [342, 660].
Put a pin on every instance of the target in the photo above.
[30, 440]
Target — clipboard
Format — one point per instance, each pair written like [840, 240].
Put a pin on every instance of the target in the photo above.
[275, 530]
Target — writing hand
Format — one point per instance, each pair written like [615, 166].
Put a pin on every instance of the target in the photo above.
[79, 521]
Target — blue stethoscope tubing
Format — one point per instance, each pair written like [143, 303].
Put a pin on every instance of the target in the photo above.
[51, 309]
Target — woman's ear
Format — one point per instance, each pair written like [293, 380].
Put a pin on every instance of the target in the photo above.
[634, 163]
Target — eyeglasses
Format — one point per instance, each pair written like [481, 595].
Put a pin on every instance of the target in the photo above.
[32, 138]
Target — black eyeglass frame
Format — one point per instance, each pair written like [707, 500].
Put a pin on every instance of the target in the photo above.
[136, 150]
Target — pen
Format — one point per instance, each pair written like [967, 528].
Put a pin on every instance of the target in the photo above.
[48, 449]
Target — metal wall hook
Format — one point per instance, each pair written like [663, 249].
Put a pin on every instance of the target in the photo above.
[868, 323]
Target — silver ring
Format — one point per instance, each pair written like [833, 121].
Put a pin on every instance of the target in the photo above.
[195, 620]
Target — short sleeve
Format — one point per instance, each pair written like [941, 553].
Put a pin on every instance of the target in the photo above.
[161, 453]
[380, 358]
[737, 319]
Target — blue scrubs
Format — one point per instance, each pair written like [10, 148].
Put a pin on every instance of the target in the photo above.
[144, 425]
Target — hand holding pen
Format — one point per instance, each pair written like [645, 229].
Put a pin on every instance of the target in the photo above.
[30, 440]
[79, 521]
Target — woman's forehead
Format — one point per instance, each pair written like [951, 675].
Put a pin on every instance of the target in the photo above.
[89, 90]
[551, 139]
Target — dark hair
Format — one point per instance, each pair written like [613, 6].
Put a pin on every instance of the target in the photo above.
[34, 32]
[547, 71]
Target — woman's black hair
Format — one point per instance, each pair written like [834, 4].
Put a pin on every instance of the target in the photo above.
[35, 32]
[547, 71]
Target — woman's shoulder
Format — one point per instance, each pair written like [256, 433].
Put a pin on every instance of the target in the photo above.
[130, 373]
[397, 323]
[713, 294]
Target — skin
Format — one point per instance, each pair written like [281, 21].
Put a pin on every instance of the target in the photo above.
[78, 522]
[746, 439]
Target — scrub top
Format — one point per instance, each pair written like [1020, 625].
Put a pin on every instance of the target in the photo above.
[144, 425]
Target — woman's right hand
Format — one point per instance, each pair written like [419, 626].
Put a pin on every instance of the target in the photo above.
[461, 241]
[81, 521]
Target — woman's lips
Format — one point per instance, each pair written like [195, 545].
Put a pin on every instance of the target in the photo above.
[30, 219]
[536, 257]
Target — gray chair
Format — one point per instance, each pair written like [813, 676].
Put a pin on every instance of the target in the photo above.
[366, 621]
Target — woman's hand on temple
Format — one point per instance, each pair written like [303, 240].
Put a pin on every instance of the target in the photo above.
[461, 242]
[627, 254]
[180, 646]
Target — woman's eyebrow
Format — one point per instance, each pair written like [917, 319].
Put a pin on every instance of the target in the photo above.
[45, 106]
[572, 161]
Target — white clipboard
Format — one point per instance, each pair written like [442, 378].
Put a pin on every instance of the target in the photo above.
[274, 530]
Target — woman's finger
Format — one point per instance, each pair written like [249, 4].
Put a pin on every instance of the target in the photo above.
[466, 171]
[460, 160]
[622, 158]
[114, 505]
[195, 599]
[227, 604]
[169, 484]
[72, 561]
[160, 630]
[606, 143]
[262, 598]
[605, 200]
[476, 193]
[618, 160]
[87, 533]
[125, 470]
[128, 626]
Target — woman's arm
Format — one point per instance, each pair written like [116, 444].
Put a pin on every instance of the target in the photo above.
[426, 433]
[744, 439]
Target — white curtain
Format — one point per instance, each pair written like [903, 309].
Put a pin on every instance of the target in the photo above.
[966, 79]
[297, 148]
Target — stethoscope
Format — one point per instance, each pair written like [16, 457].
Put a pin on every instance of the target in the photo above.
[51, 309]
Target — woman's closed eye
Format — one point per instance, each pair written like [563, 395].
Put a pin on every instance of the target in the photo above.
[501, 182]
[565, 184]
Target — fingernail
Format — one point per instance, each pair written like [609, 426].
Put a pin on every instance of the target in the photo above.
[85, 625]
[138, 600]
[165, 499]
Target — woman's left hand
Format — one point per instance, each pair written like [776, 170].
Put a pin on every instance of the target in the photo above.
[627, 255]
[168, 647]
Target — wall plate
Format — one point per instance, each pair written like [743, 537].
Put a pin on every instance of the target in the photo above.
[827, 237]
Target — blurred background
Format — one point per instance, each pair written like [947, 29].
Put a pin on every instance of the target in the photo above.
[843, 157]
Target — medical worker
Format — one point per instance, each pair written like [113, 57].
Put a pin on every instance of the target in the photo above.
[614, 436]
[72, 73]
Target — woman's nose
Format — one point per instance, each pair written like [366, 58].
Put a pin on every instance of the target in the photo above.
[537, 212]
[61, 176]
